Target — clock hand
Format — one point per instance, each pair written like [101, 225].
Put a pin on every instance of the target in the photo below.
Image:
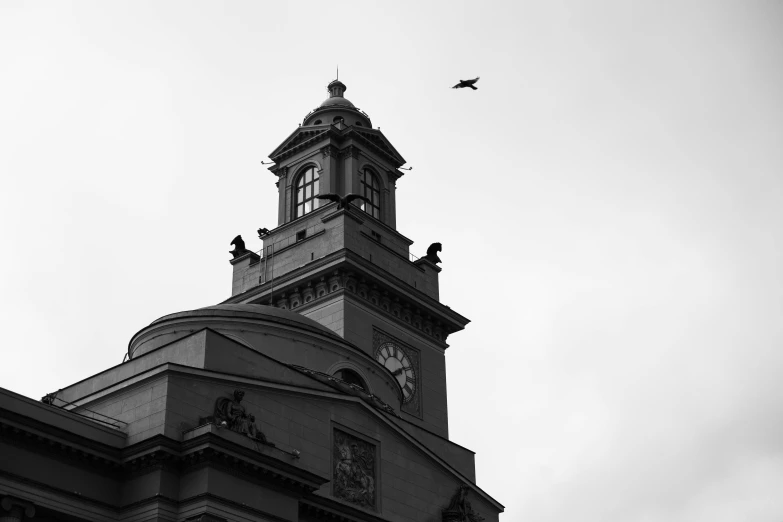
[398, 371]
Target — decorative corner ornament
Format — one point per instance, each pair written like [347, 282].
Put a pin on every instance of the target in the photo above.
[231, 414]
[459, 509]
[239, 247]
[432, 253]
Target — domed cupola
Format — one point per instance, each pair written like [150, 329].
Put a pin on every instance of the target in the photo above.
[336, 108]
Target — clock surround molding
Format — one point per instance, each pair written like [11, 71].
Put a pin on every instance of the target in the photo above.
[379, 339]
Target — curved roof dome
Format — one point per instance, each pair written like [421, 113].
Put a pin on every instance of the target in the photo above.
[336, 100]
[337, 108]
[249, 311]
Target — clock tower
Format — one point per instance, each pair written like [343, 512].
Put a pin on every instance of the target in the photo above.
[346, 265]
[315, 393]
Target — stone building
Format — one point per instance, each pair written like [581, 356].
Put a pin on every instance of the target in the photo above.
[317, 391]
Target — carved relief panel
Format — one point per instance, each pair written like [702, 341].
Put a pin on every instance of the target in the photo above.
[354, 470]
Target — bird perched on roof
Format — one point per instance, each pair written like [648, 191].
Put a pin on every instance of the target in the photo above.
[342, 202]
[467, 83]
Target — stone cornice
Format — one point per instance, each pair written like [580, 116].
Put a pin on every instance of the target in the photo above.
[427, 262]
[161, 452]
[254, 258]
[68, 425]
[345, 260]
[305, 137]
[55, 498]
[29, 434]
[44, 495]
[207, 447]
[351, 214]
[323, 508]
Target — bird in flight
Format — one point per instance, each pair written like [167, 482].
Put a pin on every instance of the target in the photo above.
[467, 83]
[342, 202]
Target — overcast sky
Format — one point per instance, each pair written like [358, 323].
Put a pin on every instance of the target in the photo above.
[610, 203]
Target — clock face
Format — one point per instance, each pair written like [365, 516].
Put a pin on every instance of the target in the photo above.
[399, 364]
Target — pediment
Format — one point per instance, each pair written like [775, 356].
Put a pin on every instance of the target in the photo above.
[377, 140]
[373, 140]
[297, 138]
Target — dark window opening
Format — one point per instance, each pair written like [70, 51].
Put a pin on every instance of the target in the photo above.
[359, 124]
[317, 122]
[375, 235]
[307, 188]
[351, 377]
[371, 190]
[301, 235]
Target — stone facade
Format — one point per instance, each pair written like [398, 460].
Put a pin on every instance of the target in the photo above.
[244, 410]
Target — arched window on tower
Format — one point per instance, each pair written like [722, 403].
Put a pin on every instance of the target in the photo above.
[306, 189]
[371, 190]
[351, 377]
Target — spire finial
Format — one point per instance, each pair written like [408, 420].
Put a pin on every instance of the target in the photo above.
[336, 88]
[338, 72]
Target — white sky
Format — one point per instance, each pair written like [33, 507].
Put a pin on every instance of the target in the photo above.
[610, 203]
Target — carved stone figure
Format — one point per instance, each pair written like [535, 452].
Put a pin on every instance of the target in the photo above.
[432, 253]
[354, 470]
[230, 412]
[239, 247]
[459, 509]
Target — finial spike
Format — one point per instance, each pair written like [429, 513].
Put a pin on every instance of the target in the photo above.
[338, 72]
